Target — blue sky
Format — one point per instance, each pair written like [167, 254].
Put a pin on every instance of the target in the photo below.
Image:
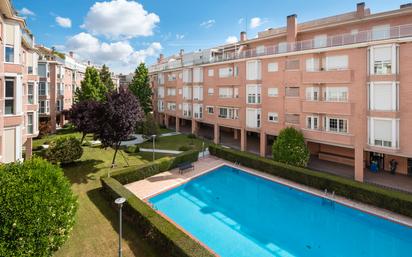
[137, 31]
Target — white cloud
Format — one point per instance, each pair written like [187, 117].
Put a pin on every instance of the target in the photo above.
[208, 24]
[120, 56]
[180, 36]
[231, 39]
[257, 22]
[120, 19]
[64, 22]
[26, 12]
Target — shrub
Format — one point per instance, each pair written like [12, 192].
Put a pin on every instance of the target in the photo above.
[150, 126]
[132, 149]
[192, 136]
[290, 148]
[44, 128]
[189, 156]
[64, 150]
[185, 148]
[37, 208]
[384, 198]
[87, 143]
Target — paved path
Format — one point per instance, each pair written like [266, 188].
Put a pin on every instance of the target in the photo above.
[170, 134]
[139, 139]
[160, 151]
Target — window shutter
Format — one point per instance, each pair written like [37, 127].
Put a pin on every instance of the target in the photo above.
[10, 34]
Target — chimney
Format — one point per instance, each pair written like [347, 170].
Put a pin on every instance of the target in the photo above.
[405, 5]
[71, 54]
[360, 10]
[243, 36]
[160, 59]
[291, 28]
[182, 51]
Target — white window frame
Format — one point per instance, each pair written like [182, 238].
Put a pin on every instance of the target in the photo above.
[338, 127]
[374, 106]
[312, 93]
[198, 93]
[253, 117]
[384, 67]
[211, 72]
[312, 64]
[372, 140]
[260, 50]
[46, 107]
[208, 108]
[380, 32]
[11, 98]
[320, 41]
[310, 122]
[342, 66]
[253, 93]
[171, 91]
[226, 72]
[210, 91]
[231, 113]
[273, 67]
[30, 126]
[197, 111]
[273, 117]
[254, 70]
[273, 92]
[327, 94]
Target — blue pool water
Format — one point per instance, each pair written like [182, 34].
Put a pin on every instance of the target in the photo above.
[237, 214]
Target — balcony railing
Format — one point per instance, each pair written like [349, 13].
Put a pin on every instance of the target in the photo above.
[332, 41]
[27, 38]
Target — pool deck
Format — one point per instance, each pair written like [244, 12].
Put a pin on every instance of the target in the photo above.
[159, 183]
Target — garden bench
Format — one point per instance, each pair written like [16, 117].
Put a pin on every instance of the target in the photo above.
[185, 166]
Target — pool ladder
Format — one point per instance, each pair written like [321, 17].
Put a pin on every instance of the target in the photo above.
[327, 201]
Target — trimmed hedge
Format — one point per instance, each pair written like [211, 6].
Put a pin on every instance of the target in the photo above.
[162, 234]
[384, 198]
[135, 173]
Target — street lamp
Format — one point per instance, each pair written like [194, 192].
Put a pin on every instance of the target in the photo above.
[154, 138]
[120, 201]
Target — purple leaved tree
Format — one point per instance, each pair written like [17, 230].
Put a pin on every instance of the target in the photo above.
[118, 116]
[83, 116]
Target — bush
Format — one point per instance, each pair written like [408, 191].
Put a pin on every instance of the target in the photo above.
[185, 148]
[44, 128]
[150, 126]
[384, 198]
[37, 208]
[161, 234]
[132, 149]
[290, 148]
[192, 136]
[64, 150]
[189, 156]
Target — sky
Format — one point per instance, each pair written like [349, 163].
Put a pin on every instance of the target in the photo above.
[123, 33]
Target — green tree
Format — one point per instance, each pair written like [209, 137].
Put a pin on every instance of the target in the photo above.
[106, 78]
[64, 150]
[92, 88]
[150, 126]
[140, 87]
[37, 210]
[290, 148]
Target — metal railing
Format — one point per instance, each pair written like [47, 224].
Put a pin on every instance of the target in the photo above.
[394, 32]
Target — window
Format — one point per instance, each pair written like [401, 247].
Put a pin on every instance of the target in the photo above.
[273, 92]
[380, 32]
[320, 41]
[225, 72]
[312, 93]
[197, 75]
[336, 94]
[339, 62]
[160, 79]
[253, 118]
[9, 99]
[228, 92]
[160, 106]
[228, 113]
[336, 125]
[187, 111]
[312, 122]
[282, 47]
[260, 50]
[292, 91]
[42, 70]
[60, 89]
[171, 106]
[197, 111]
[30, 123]
[171, 91]
[171, 77]
[292, 118]
[210, 91]
[210, 109]
[312, 64]
[187, 76]
[180, 91]
[9, 53]
[273, 117]
[383, 59]
[383, 132]
[44, 106]
[30, 93]
[187, 93]
[160, 92]
[273, 67]
[253, 94]
[43, 89]
[383, 96]
[59, 105]
[210, 72]
[197, 93]
[253, 70]
[236, 71]
[292, 65]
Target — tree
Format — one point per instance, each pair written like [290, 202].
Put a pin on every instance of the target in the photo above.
[37, 208]
[150, 126]
[290, 148]
[140, 87]
[106, 78]
[92, 87]
[83, 117]
[117, 118]
[64, 150]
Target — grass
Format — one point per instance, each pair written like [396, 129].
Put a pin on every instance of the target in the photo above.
[59, 133]
[175, 142]
[95, 232]
[165, 130]
[148, 156]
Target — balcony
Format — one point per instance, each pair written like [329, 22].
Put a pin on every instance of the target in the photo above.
[325, 77]
[27, 39]
[323, 107]
[365, 36]
[322, 136]
[226, 81]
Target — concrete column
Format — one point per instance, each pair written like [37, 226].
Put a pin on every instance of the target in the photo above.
[235, 134]
[263, 144]
[61, 119]
[359, 169]
[166, 121]
[29, 145]
[243, 139]
[195, 127]
[216, 136]
[177, 124]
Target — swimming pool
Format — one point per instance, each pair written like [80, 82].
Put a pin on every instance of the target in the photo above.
[238, 214]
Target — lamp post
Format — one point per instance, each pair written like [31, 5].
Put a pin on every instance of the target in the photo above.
[154, 138]
[120, 201]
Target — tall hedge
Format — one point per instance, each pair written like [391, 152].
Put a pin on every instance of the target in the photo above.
[64, 150]
[37, 208]
[290, 148]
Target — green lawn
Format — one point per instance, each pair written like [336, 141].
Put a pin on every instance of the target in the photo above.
[175, 142]
[166, 130]
[59, 133]
[95, 231]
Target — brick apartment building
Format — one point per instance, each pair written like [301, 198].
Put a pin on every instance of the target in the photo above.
[345, 81]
